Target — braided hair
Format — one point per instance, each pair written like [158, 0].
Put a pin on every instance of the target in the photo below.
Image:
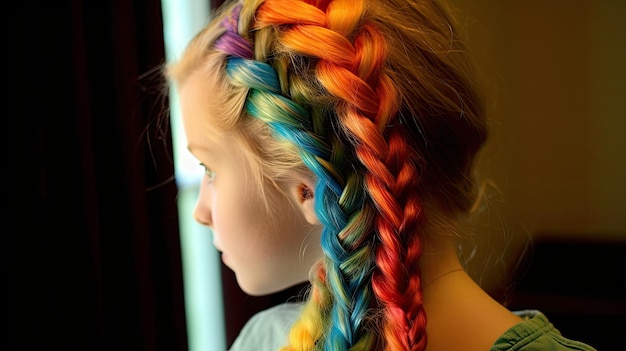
[375, 100]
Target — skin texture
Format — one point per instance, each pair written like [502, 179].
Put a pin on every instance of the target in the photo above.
[461, 316]
[268, 247]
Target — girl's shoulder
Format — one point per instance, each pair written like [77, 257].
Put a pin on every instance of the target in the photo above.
[268, 329]
[536, 333]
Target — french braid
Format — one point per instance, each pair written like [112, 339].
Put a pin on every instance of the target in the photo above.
[382, 111]
[351, 56]
[342, 210]
[339, 199]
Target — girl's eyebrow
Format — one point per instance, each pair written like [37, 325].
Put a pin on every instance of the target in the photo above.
[192, 147]
[206, 150]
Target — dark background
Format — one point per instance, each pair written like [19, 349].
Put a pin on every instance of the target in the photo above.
[90, 250]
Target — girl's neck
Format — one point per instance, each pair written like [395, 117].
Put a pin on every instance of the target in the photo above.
[439, 259]
[460, 314]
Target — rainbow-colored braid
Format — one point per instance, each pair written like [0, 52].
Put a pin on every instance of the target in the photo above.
[369, 236]
[348, 271]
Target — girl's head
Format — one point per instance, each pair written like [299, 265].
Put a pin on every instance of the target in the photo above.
[259, 224]
[357, 121]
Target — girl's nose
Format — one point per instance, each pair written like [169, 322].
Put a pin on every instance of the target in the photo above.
[202, 211]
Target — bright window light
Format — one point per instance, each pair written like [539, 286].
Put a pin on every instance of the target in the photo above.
[201, 262]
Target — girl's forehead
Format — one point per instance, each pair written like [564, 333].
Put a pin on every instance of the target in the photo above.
[200, 117]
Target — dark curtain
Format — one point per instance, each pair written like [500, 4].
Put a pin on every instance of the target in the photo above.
[90, 248]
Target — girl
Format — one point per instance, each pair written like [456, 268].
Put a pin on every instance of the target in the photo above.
[338, 139]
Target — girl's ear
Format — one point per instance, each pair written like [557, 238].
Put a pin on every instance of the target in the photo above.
[305, 198]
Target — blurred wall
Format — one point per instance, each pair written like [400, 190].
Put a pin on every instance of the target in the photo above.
[556, 78]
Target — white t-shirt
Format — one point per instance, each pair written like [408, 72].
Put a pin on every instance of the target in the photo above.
[268, 330]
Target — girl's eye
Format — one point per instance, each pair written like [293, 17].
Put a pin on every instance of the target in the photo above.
[208, 172]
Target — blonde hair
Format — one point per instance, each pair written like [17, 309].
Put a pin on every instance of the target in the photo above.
[389, 95]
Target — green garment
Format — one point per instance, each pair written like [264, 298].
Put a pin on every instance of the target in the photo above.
[536, 333]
